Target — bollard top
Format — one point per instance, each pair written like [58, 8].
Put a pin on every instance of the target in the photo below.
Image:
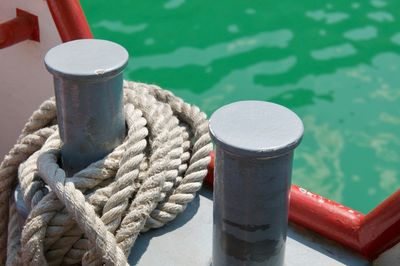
[256, 129]
[86, 59]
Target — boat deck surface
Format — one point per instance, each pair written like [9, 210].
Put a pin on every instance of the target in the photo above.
[188, 241]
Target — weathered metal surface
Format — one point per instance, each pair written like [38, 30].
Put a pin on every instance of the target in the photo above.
[254, 153]
[88, 88]
[187, 240]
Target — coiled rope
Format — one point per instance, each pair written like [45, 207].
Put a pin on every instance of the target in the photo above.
[95, 216]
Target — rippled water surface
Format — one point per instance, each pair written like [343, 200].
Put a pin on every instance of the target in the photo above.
[335, 63]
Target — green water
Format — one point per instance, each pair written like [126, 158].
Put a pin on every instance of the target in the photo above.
[335, 63]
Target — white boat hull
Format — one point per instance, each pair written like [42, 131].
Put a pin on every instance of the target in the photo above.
[24, 80]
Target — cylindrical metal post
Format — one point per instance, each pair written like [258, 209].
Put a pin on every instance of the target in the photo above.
[88, 88]
[254, 151]
[89, 97]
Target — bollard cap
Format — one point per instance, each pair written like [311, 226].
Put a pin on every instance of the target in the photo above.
[86, 59]
[256, 129]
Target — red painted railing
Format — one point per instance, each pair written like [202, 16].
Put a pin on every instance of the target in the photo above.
[70, 20]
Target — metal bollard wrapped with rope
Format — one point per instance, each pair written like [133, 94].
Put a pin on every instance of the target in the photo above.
[95, 216]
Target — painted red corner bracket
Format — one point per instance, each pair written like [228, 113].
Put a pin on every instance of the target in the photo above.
[24, 26]
[369, 235]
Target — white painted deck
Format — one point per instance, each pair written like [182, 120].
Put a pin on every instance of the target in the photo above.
[188, 241]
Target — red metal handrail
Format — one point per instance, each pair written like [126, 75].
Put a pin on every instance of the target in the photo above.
[70, 20]
[380, 228]
[325, 217]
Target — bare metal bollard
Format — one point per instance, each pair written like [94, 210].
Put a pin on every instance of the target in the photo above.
[254, 152]
[88, 88]
[89, 97]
